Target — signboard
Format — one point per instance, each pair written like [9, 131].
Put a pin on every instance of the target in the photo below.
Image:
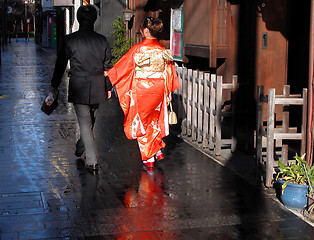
[50, 23]
[176, 34]
[53, 35]
[62, 3]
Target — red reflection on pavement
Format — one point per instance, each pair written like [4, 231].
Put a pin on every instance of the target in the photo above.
[146, 209]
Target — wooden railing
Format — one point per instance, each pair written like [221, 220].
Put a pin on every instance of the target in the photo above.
[274, 133]
[200, 106]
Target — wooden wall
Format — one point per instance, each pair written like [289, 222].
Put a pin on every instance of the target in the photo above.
[272, 47]
[210, 32]
[197, 23]
[152, 8]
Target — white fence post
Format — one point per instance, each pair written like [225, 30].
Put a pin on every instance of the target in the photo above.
[194, 101]
[206, 133]
[200, 107]
[212, 111]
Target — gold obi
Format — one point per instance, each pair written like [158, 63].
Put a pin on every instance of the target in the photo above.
[151, 63]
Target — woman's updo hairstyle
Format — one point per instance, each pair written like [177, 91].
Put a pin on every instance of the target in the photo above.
[154, 25]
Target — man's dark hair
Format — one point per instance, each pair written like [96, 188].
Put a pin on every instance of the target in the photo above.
[86, 15]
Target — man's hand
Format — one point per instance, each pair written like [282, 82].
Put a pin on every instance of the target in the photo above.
[52, 95]
[105, 74]
[108, 94]
[49, 99]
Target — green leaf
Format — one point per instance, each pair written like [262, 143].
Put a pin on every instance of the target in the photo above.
[281, 165]
[296, 172]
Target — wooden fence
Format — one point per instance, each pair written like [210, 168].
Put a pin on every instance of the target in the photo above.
[275, 134]
[201, 108]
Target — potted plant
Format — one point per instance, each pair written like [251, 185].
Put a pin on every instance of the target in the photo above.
[310, 195]
[311, 203]
[296, 181]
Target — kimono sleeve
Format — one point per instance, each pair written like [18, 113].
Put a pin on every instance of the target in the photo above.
[123, 70]
[121, 75]
[171, 77]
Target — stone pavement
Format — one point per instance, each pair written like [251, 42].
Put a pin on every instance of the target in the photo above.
[45, 192]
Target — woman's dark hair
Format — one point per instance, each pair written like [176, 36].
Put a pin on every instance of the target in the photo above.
[86, 15]
[154, 25]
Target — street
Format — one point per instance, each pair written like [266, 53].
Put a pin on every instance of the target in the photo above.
[46, 193]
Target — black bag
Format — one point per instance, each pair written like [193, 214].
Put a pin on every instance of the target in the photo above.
[49, 109]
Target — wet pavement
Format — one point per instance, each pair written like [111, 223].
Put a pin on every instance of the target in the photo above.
[46, 193]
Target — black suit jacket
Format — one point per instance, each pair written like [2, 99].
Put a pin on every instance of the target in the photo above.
[89, 54]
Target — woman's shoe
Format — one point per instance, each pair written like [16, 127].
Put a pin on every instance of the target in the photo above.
[149, 162]
[93, 167]
[159, 156]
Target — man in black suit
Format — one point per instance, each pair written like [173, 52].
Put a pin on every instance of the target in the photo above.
[89, 54]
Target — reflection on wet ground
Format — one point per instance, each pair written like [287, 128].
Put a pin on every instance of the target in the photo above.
[46, 193]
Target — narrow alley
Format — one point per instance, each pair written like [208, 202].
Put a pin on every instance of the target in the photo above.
[46, 193]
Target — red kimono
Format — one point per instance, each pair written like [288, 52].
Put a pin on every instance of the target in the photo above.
[144, 79]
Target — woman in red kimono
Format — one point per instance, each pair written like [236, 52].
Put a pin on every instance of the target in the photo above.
[144, 79]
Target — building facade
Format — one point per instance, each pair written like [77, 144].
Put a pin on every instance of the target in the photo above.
[264, 42]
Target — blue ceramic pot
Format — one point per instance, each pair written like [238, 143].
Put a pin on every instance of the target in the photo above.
[294, 195]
